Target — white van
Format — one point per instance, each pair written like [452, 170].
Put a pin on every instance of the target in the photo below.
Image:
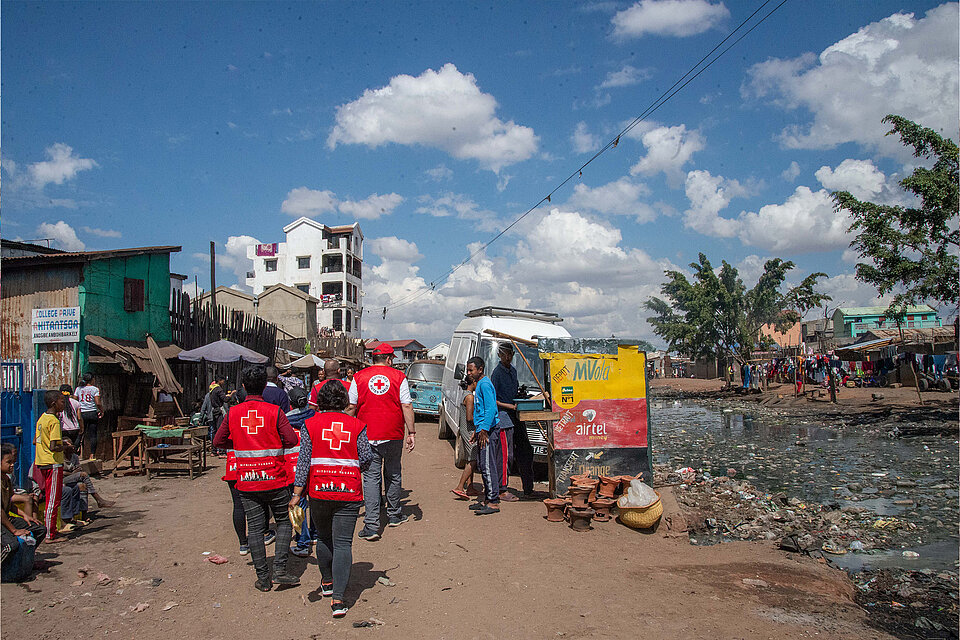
[470, 340]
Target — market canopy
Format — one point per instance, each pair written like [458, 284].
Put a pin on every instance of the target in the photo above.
[149, 357]
[223, 351]
[308, 361]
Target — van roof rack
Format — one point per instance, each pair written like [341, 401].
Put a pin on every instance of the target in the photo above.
[507, 312]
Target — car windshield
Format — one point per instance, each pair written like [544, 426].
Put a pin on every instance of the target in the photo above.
[488, 351]
[425, 372]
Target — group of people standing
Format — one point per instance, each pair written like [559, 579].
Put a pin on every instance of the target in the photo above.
[493, 438]
[346, 447]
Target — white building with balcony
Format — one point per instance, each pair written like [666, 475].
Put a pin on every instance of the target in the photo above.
[324, 262]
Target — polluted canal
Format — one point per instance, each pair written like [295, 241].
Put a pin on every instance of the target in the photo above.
[862, 497]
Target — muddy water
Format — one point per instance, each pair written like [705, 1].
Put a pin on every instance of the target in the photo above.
[826, 463]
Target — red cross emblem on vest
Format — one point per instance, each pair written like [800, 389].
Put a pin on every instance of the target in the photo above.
[379, 384]
[252, 422]
[335, 435]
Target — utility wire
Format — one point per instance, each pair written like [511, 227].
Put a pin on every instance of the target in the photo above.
[673, 90]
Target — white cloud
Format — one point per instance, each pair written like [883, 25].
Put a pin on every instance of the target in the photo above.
[625, 77]
[577, 268]
[457, 205]
[440, 173]
[62, 235]
[61, 166]
[103, 233]
[372, 207]
[443, 109]
[668, 149]
[668, 18]
[621, 197]
[806, 221]
[394, 248]
[583, 140]
[790, 173]
[859, 177]
[308, 202]
[235, 258]
[708, 196]
[900, 65]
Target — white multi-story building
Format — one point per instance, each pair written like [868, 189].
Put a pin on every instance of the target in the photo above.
[324, 262]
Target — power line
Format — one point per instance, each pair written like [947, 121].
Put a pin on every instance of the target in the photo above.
[673, 90]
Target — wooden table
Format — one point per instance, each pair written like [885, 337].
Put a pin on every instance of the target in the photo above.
[198, 435]
[134, 449]
[161, 458]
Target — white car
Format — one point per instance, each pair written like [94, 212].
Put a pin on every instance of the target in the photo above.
[469, 339]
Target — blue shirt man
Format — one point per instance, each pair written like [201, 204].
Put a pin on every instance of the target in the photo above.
[489, 438]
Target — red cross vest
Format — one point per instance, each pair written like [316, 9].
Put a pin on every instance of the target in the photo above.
[334, 462]
[378, 402]
[315, 391]
[230, 471]
[290, 457]
[255, 432]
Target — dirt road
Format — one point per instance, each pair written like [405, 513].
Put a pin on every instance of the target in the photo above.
[456, 575]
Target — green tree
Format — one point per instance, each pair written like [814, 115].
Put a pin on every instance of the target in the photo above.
[714, 314]
[912, 251]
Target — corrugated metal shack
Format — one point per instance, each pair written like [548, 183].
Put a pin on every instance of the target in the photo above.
[123, 295]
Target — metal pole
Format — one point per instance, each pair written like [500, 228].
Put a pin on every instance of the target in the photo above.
[214, 312]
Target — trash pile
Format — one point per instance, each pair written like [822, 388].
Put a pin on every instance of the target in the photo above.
[725, 508]
[911, 604]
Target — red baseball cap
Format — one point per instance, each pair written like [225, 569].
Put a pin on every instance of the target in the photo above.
[383, 349]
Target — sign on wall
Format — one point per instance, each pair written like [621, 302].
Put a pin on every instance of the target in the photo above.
[56, 325]
[267, 250]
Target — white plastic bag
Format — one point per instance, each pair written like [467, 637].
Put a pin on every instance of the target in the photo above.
[638, 495]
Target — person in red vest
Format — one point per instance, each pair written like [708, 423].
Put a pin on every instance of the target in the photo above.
[331, 371]
[380, 398]
[333, 453]
[258, 432]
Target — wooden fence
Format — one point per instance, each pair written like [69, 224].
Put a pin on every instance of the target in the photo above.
[194, 325]
[339, 347]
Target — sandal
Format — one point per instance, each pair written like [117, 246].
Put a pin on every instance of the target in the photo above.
[460, 493]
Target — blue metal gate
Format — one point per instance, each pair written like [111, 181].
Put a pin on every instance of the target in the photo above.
[16, 417]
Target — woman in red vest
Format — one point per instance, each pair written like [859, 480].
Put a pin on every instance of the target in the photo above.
[333, 452]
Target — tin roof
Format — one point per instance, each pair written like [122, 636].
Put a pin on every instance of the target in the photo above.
[73, 257]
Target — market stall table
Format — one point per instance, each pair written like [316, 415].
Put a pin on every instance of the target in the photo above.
[165, 456]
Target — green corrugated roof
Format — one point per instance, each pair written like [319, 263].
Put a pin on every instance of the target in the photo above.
[879, 311]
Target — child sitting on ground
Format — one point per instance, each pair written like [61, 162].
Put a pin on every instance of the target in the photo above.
[20, 535]
[78, 478]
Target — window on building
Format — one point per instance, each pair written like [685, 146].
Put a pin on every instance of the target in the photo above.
[270, 265]
[337, 320]
[349, 322]
[356, 323]
[909, 317]
[349, 243]
[911, 324]
[303, 262]
[133, 297]
[304, 287]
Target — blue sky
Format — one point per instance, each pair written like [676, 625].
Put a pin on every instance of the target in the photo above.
[436, 124]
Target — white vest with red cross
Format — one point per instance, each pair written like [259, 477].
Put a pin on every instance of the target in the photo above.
[334, 462]
[255, 432]
[378, 402]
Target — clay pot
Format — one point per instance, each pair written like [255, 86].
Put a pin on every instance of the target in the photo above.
[608, 486]
[602, 507]
[555, 509]
[593, 485]
[585, 477]
[625, 483]
[580, 518]
[579, 496]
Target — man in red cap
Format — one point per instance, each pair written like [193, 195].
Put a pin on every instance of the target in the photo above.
[380, 398]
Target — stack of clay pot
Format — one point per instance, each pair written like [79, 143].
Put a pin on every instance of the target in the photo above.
[588, 499]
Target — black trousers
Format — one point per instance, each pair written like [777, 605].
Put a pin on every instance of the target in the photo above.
[335, 522]
[523, 454]
[258, 505]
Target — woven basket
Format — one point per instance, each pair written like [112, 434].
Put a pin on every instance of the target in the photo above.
[642, 517]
